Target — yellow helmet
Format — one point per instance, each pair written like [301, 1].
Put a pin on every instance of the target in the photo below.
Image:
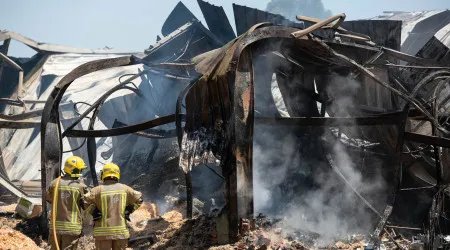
[111, 170]
[73, 166]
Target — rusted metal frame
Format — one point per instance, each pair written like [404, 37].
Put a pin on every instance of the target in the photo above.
[5, 49]
[29, 114]
[336, 27]
[20, 124]
[430, 78]
[397, 171]
[179, 131]
[386, 85]
[239, 146]
[91, 145]
[12, 102]
[189, 197]
[2, 166]
[256, 35]
[51, 140]
[406, 228]
[178, 109]
[381, 223]
[319, 25]
[150, 133]
[21, 102]
[409, 58]
[76, 148]
[427, 139]
[96, 103]
[435, 132]
[393, 240]
[124, 130]
[406, 66]
[242, 138]
[353, 37]
[331, 121]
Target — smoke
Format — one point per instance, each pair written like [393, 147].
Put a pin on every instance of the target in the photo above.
[290, 8]
[291, 169]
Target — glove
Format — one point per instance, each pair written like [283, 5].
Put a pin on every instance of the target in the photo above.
[128, 210]
[96, 214]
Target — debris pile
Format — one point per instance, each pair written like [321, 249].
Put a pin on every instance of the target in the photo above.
[13, 239]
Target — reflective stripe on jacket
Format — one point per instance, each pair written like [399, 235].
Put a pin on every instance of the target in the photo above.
[69, 205]
[111, 198]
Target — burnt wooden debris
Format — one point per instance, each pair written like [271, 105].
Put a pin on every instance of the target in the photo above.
[401, 102]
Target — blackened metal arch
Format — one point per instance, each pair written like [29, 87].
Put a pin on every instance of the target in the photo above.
[51, 140]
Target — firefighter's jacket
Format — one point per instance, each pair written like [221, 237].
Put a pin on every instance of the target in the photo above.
[69, 204]
[111, 199]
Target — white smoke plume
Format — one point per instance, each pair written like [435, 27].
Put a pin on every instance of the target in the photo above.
[290, 8]
[304, 189]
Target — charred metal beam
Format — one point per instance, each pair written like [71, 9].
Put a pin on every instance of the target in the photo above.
[5, 48]
[13, 102]
[26, 115]
[150, 133]
[91, 145]
[390, 119]
[365, 71]
[428, 139]
[123, 130]
[51, 140]
[20, 124]
[411, 59]
[102, 99]
[242, 143]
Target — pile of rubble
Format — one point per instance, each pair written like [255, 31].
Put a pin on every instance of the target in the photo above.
[173, 230]
[13, 239]
[18, 234]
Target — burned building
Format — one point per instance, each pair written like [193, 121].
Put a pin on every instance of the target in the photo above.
[342, 122]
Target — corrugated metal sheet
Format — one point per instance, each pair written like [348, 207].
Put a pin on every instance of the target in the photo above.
[418, 27]
[246, 17]
[217, 21]
[177, 18]
[383, 32]
[189, 40]
[22, 152]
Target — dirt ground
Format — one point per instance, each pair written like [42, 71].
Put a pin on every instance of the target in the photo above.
[149, 230]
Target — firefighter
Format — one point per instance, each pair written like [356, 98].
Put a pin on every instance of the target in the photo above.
[111, 204]
[68, 204]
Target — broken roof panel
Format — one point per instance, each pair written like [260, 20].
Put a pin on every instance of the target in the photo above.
[217, 21]
[56, 48]
[246, 17]
[177, 18]
[418, 27]
[187, 41]
[438, 47]
[382, 32]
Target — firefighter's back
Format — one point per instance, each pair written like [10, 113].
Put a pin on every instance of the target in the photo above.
[111, 198]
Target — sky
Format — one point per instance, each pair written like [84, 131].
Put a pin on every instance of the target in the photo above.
[133, 25]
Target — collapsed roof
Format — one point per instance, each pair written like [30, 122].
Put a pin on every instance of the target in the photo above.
[328, 86]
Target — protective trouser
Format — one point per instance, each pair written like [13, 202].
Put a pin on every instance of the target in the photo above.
[111, 244]
[65, 242]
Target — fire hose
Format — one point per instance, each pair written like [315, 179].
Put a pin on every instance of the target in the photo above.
[55, 200]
